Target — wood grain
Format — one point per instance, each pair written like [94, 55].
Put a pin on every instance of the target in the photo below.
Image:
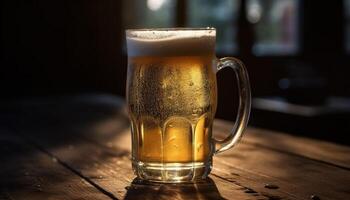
[92, 142]
[122, 141]
[109, 167]
[323, 151]
[29, 174]
[295, 173]
[252, 166]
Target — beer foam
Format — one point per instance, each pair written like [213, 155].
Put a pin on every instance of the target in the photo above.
[170, 42]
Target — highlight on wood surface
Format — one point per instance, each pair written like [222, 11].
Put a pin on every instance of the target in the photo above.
[82, 150]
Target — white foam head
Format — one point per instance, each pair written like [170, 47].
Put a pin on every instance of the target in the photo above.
[170, 42]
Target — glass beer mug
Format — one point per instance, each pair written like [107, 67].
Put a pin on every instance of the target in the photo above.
[172, 99]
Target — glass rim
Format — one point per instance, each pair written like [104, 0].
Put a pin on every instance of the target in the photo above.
[170, 29]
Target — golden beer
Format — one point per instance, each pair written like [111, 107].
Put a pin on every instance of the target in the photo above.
[172, 102]
[172, 97]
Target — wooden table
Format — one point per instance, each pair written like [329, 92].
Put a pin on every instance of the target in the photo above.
[79, 148]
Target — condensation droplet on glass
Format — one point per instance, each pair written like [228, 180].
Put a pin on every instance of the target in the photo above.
[200, 146]
[172, 139]
[164, 85]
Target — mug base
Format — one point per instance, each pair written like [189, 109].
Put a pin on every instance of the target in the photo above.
[172, 172]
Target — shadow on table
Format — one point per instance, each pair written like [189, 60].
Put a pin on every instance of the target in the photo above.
[139, 189]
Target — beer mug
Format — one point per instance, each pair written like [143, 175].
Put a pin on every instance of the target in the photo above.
[172, 99]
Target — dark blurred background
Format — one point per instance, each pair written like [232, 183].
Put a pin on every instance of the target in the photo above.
[297, 53]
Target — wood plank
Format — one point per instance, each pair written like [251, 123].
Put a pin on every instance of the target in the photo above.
[110, 169]
[98, 148]
[26, 173]
[121, 142]
[296, 177]
[252, 166]
[295, 174]
[331, 153]
[73, 139]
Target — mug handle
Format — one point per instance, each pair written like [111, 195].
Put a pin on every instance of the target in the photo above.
[244, 103]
